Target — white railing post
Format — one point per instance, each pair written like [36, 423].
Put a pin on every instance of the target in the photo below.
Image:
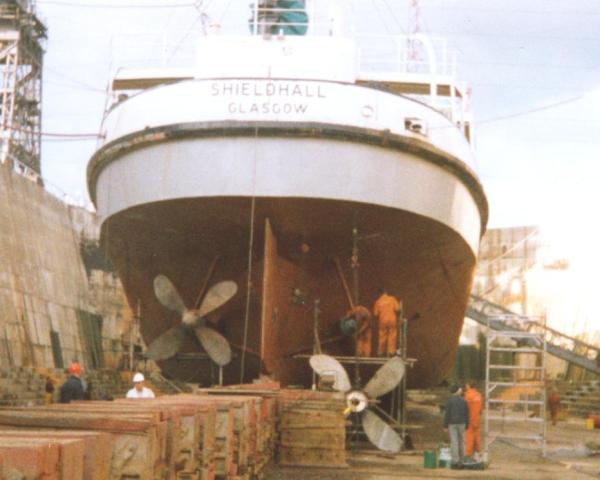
[312, 17]
[401, 53]
[255, 19]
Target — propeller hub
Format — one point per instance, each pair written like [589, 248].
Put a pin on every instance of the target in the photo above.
[190, 317]
[356, 401]
[192, 321]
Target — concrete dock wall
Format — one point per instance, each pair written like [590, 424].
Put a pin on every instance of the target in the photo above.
[44, 285]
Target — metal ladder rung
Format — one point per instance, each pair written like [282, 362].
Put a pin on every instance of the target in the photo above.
[525, 402]
[514, 367]
[517, 419]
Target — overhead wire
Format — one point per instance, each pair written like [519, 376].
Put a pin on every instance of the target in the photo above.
[184, 38]
[75, 81]
[71, 135]
[225, 11]
[443, 5]
[63, 140]
[393, 15]
[530, 111]
[68, 135]
[380, 15]
[518, 87]
[521, 113]
[62, 3]
[531, 64]
[519, 36]
[168, 22]
[75, 87]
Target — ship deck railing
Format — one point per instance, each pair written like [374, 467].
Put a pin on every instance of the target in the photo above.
[416, 65]
[431, 81]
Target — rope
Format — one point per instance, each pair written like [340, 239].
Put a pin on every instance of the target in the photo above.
[248, 287]
[250, 248]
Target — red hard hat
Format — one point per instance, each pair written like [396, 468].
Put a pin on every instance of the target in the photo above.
[75, 369]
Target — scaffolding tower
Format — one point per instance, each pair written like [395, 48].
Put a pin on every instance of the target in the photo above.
[515, 390]
[21, 56]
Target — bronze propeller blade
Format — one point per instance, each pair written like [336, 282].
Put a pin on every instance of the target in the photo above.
[168, 344]
[216, 345]
[380, 433]
[217, 295]
[387, 378]
[167, 294]
[326, 365]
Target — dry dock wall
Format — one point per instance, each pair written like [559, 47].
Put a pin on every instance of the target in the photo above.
[51, 307]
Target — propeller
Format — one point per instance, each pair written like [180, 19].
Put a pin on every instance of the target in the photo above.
[192, 321]
[388, 377]
[326, 365]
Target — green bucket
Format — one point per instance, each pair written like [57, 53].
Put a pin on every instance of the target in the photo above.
[430, 459]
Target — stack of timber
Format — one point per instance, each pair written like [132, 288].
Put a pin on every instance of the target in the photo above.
[214, 434]
[255, 421]
[138, 439]
[312, 429]
[180, 437]
[235, 436]
[170, 420]
[40, 458]
[97, 451]
[177, 443]
[195, 454]
[307, 427]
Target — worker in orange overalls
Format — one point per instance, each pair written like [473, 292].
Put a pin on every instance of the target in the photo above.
[386, 309]
[473, 433]
[364, 330]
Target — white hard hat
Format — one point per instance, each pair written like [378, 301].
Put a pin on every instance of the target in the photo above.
[138, 377]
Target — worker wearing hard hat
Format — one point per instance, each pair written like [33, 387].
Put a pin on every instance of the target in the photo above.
[139, 390]
[386, 308]
[473, 432]
[72, 389]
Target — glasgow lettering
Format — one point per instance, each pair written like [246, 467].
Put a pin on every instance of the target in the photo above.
[267, 107]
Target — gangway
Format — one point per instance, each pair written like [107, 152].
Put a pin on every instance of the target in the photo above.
[558, 344]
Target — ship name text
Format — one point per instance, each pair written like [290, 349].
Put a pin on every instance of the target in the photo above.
[270, 89]
[277, 97]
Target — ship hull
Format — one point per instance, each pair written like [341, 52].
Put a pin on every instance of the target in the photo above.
[421, 261]
[274, 204]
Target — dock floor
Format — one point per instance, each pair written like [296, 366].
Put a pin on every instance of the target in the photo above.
[571, 454]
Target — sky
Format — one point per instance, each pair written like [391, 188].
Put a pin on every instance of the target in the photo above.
[533, 66]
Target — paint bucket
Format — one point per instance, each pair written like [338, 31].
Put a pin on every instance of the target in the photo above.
[589, 423]
[444, 456]
[430, 459]
[596, 419]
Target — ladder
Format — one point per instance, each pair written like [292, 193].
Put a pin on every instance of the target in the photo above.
[527, 411]
[563, 346]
